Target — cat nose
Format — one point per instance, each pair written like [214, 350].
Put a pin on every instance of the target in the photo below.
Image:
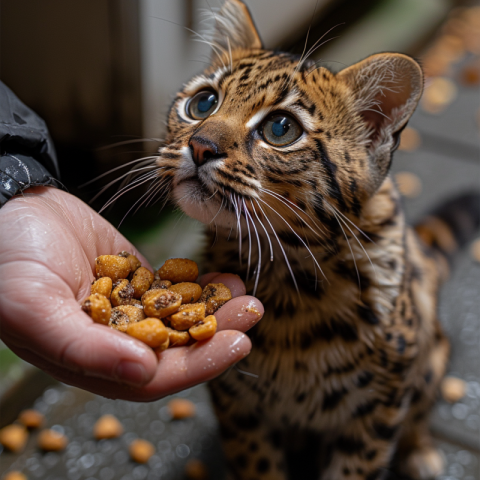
[202, 150]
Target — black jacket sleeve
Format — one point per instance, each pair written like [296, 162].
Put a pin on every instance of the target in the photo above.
[27, 155]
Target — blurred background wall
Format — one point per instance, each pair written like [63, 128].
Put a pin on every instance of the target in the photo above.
[102, 71]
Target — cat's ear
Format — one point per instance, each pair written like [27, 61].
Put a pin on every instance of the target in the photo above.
[386, 89]
[234, 28]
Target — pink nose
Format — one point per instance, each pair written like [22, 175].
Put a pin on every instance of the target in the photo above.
[202, 150]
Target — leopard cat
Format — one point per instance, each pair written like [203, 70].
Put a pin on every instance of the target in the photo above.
[288, 165]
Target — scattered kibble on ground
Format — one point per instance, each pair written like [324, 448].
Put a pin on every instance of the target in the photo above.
[409, 184]
[410, 140]
[31, 419]
[453, 389]
[52, 441]
[141, 450]
[107, 426]
[14, 437]
[181, 408]
[439, 93]
[15, 475]
[475, 249]
[196, 470]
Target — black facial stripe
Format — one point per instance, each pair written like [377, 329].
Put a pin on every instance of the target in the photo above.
[170, 155]
[232, 178]
[331, 170]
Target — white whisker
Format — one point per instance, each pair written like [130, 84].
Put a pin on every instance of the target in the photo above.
[283, 250]
[118, 168]
[265, 230]
[300, 238]
[259, 263]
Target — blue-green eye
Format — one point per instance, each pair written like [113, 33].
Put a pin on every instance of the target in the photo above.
[202, 105]
[280, 129]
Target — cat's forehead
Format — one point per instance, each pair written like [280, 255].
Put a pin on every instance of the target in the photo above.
[262, 80]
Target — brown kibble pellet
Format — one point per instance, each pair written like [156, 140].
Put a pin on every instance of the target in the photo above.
[187, 316]
[160, 303]
[150, 331]
[164, 284]
[52, 441]
[119, 320]
[15, 475]
[440, 93]
[31, 418]
[475, 250]
[98, 308]
[214, 295]
[178, 338]
[14, 437]
[471, 75]
[141, 450]
[181, 408]
[122, 293]
[107, 426]
[103, 286]
[163, 346]
[204, 330]
[141, 281]
[133, 312]
[409, 184]
[112, 266]
[453, 389]
[134, 263]
[179, 270]
[410, 140]
[196, 470]
[189, 291]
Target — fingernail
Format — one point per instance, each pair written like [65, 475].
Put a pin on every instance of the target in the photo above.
[131, 372]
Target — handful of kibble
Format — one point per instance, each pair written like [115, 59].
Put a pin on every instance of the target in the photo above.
[165, 309]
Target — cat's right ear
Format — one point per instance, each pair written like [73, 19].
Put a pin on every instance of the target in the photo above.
[234, 28]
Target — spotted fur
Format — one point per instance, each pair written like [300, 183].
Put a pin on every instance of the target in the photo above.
[350, 348]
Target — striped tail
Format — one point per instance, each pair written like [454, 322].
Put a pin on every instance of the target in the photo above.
[451, 226]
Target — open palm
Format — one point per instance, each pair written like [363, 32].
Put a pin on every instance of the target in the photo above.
[48, 244]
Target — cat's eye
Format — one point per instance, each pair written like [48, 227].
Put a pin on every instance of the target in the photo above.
[281, 129]
[202, 105]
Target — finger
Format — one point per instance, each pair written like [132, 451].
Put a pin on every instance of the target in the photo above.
[240, 313]
[178, 369]
[183, 367]
[204, 280]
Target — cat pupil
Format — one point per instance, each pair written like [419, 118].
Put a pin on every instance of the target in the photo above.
[206, 102]
[280, 127]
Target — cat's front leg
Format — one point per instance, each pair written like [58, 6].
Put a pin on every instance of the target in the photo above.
[364, 449]
[251, 449]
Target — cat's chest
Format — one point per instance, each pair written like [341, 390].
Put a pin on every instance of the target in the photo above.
[292, 371]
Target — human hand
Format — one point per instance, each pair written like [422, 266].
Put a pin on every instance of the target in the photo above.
[49, 240]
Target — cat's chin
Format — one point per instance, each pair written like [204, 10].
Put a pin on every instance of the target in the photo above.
[202, 206]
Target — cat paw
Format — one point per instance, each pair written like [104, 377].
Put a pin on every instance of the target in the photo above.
[423, 464]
